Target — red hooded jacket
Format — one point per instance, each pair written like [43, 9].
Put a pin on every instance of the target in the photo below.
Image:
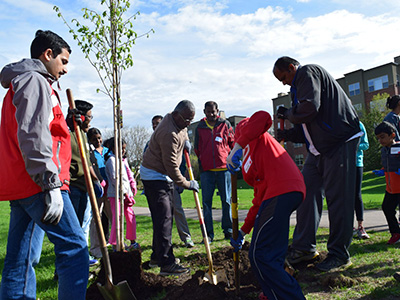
[266, 165]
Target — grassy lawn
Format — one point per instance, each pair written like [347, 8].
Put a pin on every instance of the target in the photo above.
[370, 276]
[372, 192]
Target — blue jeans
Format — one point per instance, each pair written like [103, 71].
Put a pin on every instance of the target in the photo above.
[79, 200]
[24, 245]
[223, 181]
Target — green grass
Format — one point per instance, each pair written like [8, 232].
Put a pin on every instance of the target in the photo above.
[372, 190]
[373, 261]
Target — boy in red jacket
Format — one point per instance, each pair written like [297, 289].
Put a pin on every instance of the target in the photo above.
[278, 190]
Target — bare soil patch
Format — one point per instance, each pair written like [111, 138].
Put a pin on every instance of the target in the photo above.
[146, 285]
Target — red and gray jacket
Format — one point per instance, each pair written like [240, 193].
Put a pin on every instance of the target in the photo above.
[35, 146]
[212, 147]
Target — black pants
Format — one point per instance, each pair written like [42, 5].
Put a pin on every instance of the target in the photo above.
[159, 196]
[359, 205]
[389, 204]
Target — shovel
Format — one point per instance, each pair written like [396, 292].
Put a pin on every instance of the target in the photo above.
[121, 291]
[235, 230]
[211, 276]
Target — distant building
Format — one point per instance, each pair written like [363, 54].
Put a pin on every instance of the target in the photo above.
[360, 85]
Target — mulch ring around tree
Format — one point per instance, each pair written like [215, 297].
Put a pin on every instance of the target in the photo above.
[146, 285]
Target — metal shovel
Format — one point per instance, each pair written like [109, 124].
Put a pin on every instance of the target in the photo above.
[121, 291]
[211, 276]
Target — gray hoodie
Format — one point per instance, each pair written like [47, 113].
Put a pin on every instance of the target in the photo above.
[34, 101]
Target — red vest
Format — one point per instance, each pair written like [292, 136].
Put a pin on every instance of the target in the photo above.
[15, 182]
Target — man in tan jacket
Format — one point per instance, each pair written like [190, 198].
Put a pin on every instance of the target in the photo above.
[159, 171]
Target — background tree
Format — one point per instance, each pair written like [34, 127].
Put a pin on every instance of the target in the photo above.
[106, 39]
[377, 111]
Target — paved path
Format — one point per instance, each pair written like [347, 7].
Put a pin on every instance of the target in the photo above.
[373, 219]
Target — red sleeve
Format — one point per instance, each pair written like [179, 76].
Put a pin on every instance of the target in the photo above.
[251, 215]
[231, 138]
[258, 123]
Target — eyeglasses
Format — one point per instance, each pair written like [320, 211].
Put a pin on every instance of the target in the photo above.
[185, 120]
[89, 117]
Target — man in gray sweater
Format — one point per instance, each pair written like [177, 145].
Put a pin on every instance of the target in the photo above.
[159, 171]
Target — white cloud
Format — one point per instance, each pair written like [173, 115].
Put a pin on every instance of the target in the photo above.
[199, 52]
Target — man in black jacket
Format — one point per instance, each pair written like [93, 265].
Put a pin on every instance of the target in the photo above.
[326, 121]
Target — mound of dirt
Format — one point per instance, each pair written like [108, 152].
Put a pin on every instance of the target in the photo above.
[145, 285]
[128, 266]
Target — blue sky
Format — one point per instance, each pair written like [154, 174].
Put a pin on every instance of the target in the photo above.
[212, 50]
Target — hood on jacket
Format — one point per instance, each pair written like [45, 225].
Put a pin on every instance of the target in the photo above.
[10, 71]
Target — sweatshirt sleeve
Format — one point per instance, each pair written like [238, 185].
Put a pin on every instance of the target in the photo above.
[172, 158]
[34, 112]
[364, 144]
[110, 171]
[258, 123]
[308, 90]
[251, 215]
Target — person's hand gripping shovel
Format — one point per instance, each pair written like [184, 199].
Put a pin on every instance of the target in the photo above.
[109, 291]
[211, 276]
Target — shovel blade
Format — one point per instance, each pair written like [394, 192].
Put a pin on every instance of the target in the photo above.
[121, 291]
[216, 277]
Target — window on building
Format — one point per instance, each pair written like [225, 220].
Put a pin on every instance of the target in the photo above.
[299, 160]
[354, 89]
[378, 83]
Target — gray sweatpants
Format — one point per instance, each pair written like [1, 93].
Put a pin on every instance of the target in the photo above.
[179, 215]
[333, 175]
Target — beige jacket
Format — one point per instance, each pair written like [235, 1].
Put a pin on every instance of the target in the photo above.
[164, 153]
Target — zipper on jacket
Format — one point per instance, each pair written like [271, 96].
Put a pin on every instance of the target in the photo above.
[58, 156]
[213, 146]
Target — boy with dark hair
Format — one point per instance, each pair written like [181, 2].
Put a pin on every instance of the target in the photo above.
[212, 143]
[36, 150]
[386, 134]
[78, 190]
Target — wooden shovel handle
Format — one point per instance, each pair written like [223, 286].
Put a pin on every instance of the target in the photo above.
[92, 196]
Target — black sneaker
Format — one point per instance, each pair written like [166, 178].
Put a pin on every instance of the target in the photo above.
[173, 269]
[333, 263]
[295, 256]
[154, 263]
[228, 235]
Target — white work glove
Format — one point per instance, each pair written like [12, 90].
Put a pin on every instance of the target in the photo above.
[194, 186]
[188, 146]
[234, 156]
[54, 205]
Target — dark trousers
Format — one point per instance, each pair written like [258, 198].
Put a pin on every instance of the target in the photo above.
[389, 204]
[335, 176]
[359, 205]
[159, 196]
[269, 245]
